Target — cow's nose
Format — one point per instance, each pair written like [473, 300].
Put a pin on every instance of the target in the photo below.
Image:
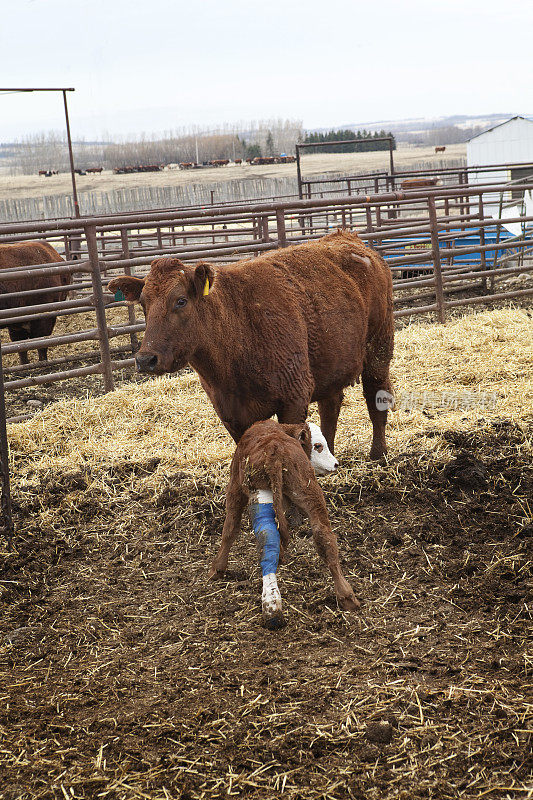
[336, 465]
[146, 362]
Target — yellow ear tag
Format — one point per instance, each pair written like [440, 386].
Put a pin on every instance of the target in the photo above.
[206, 287]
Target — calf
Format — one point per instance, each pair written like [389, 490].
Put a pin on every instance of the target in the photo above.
[273, 463]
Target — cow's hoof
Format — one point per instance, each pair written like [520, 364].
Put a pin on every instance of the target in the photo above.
[349, 603]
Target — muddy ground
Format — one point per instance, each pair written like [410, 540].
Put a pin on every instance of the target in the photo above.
[124, 675]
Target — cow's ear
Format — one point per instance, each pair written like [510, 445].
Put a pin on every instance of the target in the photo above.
[204, 275]
[130, 287]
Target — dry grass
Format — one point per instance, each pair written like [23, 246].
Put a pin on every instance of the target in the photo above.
[171, 419]
[21, 186]
[123, 675]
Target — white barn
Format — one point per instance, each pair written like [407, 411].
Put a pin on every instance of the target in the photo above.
[510, 142]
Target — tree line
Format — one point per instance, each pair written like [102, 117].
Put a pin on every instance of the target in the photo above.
[48, 150]
[342, 135]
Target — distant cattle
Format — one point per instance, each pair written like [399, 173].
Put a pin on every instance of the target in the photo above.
[238, 161]
[272, 334]
[440, 149]
[219, 162]
[127, 170]
[419, 183]
[48, 172]
[262, 160]
[93, 170]
[22, 254]
[80, 172]
[186, 164]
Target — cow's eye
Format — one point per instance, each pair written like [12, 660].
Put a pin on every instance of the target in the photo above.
[180, 303]
[319, 447]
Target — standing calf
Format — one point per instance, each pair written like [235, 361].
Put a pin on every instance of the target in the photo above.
[273, 464]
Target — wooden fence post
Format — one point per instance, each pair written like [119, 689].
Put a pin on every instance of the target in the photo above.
[435, 252]
[98, 295]
[280, 223]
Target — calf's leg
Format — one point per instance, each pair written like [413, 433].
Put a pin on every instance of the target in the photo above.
[312, 503]
[236, 500]
[329, 410]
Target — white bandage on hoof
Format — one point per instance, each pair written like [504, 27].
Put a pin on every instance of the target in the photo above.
[272, 613]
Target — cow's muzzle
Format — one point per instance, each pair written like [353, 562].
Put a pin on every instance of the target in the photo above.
[146, 362]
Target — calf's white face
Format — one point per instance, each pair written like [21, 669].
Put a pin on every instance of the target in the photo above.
[321, 458]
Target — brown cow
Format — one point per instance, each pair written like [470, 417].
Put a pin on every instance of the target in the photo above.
[270, 335]
[278, 458]
[22, 254]
[419, 183]
[440, 149]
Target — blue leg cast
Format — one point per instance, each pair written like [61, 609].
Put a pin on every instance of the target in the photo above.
[267, 534]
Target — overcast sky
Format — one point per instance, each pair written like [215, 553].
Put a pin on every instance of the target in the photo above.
[159, 65]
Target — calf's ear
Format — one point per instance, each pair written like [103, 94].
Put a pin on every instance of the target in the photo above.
[304, 436]
[204, 275]
[300, 432]
[130, 287]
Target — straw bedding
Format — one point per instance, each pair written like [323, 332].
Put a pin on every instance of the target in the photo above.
[124, 675]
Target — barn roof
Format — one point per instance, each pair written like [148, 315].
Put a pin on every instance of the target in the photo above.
[507, 121]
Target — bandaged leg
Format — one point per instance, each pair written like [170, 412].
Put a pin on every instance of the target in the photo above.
[266, 532]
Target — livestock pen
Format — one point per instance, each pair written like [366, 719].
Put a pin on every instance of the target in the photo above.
[124, 675]
[446, 247]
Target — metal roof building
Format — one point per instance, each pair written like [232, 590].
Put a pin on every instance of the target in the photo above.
[511, 142]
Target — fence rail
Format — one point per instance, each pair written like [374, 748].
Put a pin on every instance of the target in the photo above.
[438, 242]
[383, 181]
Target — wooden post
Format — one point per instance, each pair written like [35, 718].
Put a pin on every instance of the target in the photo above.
[128, 270]
[280, 224]
[7, 519]
[369, 226]
[98, 295]
[435, 252]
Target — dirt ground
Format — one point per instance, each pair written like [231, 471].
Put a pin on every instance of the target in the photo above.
[20, 186]
[123, 674]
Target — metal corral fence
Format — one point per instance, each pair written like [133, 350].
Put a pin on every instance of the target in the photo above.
[383, 181]
[446, 247]
[438, 243]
